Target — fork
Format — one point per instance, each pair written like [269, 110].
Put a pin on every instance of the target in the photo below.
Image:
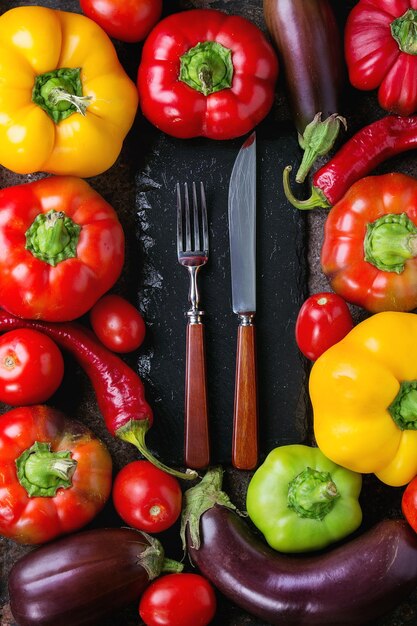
[193, 250]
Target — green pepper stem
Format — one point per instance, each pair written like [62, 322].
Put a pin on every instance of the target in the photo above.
[53, 237]
[42, 472]
[403, 408]
[134, 432]
[312, 494]
[404, 31]
[316, 200]
[60, 93]
[390, 241]
[207, 67]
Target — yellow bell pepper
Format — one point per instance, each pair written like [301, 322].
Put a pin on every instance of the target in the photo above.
[66, 103]
[364, 397]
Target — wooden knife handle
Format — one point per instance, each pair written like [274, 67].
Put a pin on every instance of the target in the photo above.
[245, 417]
[197, 447]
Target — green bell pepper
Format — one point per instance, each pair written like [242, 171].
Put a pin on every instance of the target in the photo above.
[302, 501]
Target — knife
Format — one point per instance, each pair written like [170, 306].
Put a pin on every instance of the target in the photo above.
[242, 240]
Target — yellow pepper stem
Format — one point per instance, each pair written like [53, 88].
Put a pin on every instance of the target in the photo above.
[403, 409]
[60, 93]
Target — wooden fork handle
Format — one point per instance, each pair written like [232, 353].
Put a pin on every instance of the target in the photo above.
[245, 417]
[197, 449]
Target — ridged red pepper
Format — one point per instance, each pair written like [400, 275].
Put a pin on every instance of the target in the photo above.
[206, 73]
[381, 51]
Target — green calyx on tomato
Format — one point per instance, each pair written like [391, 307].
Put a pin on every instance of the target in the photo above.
[60, 93]
[293, 500]
[207, 67]
[42, 472]
[390, 241]
[53, 237]
[312, 494]
[403, 409]
[404, 31]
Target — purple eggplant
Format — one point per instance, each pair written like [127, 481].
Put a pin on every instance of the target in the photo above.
[351, 584]
[84, 577]
[309, 45]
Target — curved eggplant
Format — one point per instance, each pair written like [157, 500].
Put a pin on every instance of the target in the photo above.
[82, 578]
[309, 45]
[351, 584]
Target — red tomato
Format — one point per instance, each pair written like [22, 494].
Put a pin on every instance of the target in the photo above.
[323, 320]
[126, 20]
[409, 503]
[118, 325]
[31, 367]
[178, 600]
[147, 498]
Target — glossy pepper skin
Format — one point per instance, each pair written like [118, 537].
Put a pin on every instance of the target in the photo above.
[369, 251]
[302, 501]
[55, 475]
[381, 51]
[364, 151]
[66, 103]
[206, 73]
[62, 247]
[364, 396]
[119, 390]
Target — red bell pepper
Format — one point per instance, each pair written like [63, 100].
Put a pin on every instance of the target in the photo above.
[206, 73]
[62, 247]
[381, 51]
[369, 251]
[55, 475]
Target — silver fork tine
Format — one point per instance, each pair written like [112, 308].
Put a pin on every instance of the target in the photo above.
[204, 218]
[179, 221]
[187, 219]
[196, 220]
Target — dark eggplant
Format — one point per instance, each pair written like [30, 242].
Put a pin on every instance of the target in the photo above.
[84, 577]
[351, 584]
[310, 48]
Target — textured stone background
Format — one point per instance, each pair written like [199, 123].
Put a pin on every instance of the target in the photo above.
[140, 187]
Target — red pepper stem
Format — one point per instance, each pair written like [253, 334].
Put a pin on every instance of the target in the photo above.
[316, 200]
[404, 31]
[135, 432]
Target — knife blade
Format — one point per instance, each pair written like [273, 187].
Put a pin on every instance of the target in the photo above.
[242, 243]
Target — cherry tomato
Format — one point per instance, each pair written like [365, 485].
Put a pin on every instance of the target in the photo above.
[118, 325]
[178, 600]
[126, 20]
[409, 503]
[31, 367]
[323, 320]
[147, 498]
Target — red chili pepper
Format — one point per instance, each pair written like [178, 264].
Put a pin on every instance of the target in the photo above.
[369, 147]
[119, 390]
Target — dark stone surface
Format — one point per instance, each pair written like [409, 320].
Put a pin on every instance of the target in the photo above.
[140, 186]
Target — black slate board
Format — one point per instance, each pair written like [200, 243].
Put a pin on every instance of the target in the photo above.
[141, 187]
